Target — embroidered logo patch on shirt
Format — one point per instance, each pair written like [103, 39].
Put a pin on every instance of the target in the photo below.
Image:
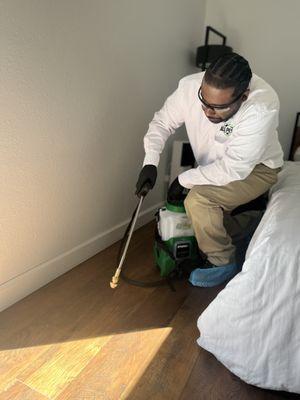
[227, 128]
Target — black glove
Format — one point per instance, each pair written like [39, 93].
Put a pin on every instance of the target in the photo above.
[147, 179]
[176, 193]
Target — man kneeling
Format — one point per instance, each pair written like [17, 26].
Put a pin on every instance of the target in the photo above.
[231, 117]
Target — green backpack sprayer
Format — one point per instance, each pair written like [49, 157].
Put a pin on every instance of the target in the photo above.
[175, 242]
[176, 251]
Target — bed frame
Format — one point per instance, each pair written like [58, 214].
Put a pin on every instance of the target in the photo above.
[296, 138]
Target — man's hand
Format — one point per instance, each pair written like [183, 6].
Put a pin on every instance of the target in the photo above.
[146, 180]
[176, 193]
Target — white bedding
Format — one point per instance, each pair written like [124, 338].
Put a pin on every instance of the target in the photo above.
[253, 325]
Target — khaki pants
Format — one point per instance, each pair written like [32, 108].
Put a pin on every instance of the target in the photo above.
[205, 205]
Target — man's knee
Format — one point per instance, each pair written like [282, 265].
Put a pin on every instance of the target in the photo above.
[195, 198]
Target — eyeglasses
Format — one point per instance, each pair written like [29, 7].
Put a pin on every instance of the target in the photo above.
[218, 107]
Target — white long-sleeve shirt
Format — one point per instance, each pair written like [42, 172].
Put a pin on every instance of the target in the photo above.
[226, 151]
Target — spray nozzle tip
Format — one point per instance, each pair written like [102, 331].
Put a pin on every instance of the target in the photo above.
[114, 282]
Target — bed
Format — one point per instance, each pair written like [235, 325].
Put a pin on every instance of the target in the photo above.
[253, 325]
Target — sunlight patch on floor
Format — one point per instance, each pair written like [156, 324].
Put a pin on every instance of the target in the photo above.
[50, 369]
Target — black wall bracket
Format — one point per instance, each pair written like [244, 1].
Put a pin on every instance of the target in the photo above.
[207, 53]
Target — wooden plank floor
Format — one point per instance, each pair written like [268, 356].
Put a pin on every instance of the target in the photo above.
[78, 339]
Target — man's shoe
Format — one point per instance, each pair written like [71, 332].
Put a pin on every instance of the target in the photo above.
[210, 275]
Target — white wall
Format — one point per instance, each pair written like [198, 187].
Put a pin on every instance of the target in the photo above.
[80, 81]
[267, 33]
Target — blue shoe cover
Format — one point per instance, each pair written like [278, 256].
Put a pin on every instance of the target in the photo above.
[209, 277]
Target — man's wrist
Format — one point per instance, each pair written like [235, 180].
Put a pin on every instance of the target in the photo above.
[151, 158]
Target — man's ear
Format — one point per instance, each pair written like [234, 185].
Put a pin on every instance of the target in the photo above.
[245, 95]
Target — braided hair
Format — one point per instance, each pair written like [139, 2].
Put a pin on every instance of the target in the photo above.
[229, 70]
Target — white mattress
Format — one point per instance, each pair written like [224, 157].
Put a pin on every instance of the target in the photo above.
[253, 325]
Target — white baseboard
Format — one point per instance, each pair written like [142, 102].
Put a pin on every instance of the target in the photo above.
[22, 285]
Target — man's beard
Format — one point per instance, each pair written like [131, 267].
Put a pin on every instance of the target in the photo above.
[217, 120]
